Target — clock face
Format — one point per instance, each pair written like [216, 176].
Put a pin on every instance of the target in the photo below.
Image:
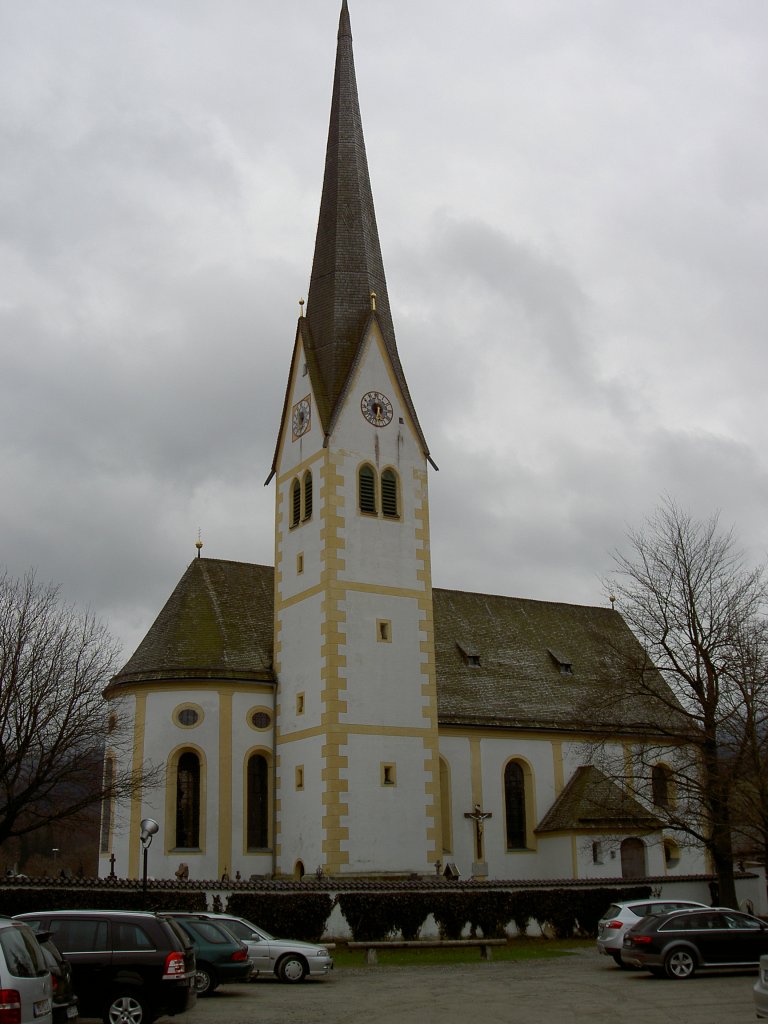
[302, 416]
[376, 408]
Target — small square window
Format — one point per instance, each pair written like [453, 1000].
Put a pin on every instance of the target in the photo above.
[300, 563]
[388, 775]
[299, 703]
[299, 776]
[383, 631]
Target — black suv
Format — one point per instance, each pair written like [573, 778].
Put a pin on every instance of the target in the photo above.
[128, 967]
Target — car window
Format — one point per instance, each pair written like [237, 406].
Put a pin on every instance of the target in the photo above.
[211, 932]
[705, 921]
[179, 935]
[131, 936]
[740, 921]
[612, 911]
[23, 956]
[79, 936]
[642, 909]
[239, 929]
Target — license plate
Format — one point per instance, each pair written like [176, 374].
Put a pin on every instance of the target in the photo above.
[71, 1011]
[41, 1007]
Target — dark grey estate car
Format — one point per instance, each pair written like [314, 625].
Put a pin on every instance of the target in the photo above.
[127, 967]
[685, 941]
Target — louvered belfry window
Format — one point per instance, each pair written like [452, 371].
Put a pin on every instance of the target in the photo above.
[295, 503]
[389, 494]
[367, 489]
[307, 495]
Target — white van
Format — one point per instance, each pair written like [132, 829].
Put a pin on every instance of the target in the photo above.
[25, 981]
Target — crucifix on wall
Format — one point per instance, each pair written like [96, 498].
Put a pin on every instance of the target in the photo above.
[479, 817]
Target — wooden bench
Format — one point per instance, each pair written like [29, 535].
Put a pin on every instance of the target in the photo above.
[484, 945]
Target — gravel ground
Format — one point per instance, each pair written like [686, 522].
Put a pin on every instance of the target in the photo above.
[569, 990]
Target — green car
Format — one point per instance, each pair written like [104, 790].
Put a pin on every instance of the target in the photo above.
[221, 958]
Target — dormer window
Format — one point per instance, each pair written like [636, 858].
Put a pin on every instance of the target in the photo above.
[563, 662]
[471, 655]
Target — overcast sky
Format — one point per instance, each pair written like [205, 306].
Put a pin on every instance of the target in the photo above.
[572, 200]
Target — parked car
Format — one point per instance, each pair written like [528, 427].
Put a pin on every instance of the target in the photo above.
[221, 957]
[620, 917]
[760, 991]
[25, 981]
[685, 941]
[289, 959]
[128, 967]
[64, 999]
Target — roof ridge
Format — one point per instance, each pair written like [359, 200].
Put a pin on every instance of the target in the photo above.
[526, 600]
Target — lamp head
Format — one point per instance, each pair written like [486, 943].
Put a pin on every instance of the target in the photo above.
[149, 828]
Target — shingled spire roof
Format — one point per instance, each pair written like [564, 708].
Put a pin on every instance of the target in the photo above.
[347, 264]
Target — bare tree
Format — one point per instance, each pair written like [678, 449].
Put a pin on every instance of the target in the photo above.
[54, 662]
[698, 611]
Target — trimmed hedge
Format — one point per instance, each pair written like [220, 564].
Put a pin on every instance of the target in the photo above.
[376, 916]
[300, 915]
[371, 916]
[22, 901]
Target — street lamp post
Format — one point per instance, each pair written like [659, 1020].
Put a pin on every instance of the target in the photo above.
[149, 828]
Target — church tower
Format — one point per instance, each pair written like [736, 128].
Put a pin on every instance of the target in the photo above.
[356, 744]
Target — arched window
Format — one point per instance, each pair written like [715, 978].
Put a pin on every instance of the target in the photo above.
[295, 503]
[633, 858]
[188, 801]
[307, 495]
[661, 785]
[514, 806]
[258, 802]
[445, 805]
[367, 489]
[671, 853]
[389, 494]
[106, 804]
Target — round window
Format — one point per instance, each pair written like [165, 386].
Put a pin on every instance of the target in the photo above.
[188, 717]
[260, 720]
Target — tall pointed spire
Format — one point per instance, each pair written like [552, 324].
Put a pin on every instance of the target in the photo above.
[347, 265]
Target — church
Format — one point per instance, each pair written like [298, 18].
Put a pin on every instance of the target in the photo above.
[334, 713]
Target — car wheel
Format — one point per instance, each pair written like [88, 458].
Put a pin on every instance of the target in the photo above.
[680, 963]
[617, 958]
[291, 968]
[624, 965]
[127, 1008]
[205, 980]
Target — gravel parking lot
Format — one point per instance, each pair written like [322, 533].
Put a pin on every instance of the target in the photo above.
[579, 989]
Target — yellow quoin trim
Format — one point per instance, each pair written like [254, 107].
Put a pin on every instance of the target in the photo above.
[574, 858]
[557, 766]
[225, 783]
[429, 674]
[139, 732]
[333, 671]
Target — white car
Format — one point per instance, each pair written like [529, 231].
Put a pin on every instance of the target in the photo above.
[25, 981]
[620, 917]
[288, 959]
[760, 990]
